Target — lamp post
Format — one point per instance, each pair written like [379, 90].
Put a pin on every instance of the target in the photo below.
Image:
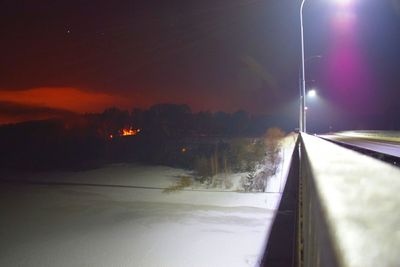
[302, 120]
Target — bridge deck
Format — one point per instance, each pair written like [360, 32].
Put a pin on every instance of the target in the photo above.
[388, 147]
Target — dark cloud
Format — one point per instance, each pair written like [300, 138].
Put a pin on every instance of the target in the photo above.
[15, 112]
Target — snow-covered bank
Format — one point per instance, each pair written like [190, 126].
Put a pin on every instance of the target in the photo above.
[66, 226]
[72, 225]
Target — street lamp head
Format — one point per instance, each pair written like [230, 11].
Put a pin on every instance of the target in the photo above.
[312, 93]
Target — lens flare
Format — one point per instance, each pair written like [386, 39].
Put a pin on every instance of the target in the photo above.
[349, 76]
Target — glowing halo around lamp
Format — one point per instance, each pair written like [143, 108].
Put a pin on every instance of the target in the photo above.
[312, 93]
[344, 2]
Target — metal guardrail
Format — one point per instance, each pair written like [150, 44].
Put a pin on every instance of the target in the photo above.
[349, 207]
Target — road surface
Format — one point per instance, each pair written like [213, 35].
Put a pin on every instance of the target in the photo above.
[381, 144]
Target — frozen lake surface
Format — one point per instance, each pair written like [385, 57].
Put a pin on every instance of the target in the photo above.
[97, 225]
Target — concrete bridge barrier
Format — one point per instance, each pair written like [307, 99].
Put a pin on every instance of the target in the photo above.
[349, 205]
[339, 208]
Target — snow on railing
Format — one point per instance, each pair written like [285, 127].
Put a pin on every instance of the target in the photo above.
[349, 206]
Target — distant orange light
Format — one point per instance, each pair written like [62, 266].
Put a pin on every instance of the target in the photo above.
[183, 150]
[129, 132]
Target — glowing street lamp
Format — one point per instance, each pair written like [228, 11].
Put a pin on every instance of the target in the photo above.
[302, 120]
[312, 93]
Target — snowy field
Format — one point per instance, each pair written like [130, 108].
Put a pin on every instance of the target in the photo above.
[133, 223]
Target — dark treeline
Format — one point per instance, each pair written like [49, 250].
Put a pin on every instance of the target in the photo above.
[171, 120]
[169, 134]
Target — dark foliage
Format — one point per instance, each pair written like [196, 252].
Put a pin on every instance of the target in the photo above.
[170, 135]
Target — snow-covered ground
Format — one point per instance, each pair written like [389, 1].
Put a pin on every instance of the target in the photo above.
[135, 224]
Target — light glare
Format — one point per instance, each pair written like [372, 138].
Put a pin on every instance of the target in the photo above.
[312, 93]
[344, 2]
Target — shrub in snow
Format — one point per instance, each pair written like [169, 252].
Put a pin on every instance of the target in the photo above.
[244, 154]
[263, 161]
[248, 181]
[251, 155]
[202, 168]
[260, 182]
[254, 181]
[228, 183]
[184, 181]
[273, 138]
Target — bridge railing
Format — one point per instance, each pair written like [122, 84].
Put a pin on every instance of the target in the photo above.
[349, 207]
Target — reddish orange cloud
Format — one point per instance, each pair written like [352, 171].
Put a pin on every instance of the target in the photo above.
[65, 98]
[54, 102]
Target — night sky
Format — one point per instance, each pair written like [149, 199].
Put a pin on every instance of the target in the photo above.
[83, 56]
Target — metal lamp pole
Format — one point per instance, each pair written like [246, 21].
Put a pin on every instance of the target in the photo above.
[303, 75]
